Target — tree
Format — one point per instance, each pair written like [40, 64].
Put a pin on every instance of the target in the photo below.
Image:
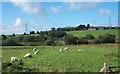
[53, 29]
[13, 34]
[81, 27]
[24, 33]
[32, 32]
[37, 32]
[88, 26]
[57, 34]
[4, 37]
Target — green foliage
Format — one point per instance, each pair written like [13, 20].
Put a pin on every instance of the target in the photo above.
[18, 38]
[32, 32]
[13, 34]
[89, 36]
[28, 39]
[108, 38]
[4, 37]
[17, 66]
[50, 42]
[57, 34]
[69, 39]
[95, 41]
[82, 41]
[11, 42]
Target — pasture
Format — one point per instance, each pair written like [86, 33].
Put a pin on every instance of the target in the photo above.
[96, 33]
[89, 59]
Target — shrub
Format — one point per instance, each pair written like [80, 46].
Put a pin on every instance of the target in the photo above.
[4, 37]
[11, 42]
[17, 66]
[82, 41]
[57, 34]
[28, 38]
[89, 36]
[95, 41]
[68, 40]
[108, 38]
[50, 42]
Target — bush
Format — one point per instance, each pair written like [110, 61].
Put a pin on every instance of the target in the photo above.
[17, 66]
[82, 41]
[68, 40]
[27, 39]
[108, 38]
[11, 42]
[50, 42]
[89, 36]
[95, 41]
[57, 34]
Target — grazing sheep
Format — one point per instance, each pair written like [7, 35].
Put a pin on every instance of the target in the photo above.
[27, 55]
[36, 52]
[66, 48]
[14, 59]
[34, 49]
[61, 50]
[105, 68]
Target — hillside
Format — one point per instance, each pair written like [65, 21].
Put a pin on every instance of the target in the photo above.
[96, 33]
[82, 33]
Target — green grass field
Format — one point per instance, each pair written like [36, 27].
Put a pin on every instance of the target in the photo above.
[96, 33]
[90, 59]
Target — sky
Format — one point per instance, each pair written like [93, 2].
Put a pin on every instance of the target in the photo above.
[43, 16]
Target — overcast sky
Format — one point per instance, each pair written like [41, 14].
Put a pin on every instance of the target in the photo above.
[41, 15]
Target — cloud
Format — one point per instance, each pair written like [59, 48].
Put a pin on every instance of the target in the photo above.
[81, 5]
[56, 9]
[105, 11]
[30, 7]
[18, 22]
[16, 27]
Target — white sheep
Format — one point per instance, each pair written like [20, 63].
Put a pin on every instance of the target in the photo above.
[36, 52]
[79, 50]
[34, 49]
[27, 55]
[66, 48]
[61, 50]
[14, 59]
[105, 68]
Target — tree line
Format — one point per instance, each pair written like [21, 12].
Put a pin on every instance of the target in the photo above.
[54, 38]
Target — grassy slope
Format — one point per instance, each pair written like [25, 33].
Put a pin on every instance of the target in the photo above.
[90, 58]
[96, 33]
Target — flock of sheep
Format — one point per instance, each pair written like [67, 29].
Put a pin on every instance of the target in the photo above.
[25, 56]
[105, 68]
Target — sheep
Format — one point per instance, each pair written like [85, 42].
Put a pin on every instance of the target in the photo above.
[34, 49]
[105, 68]
[66, 48]
[79, 50]
[61, 50]
[36, 52]
[14, 59]
[27, 55]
